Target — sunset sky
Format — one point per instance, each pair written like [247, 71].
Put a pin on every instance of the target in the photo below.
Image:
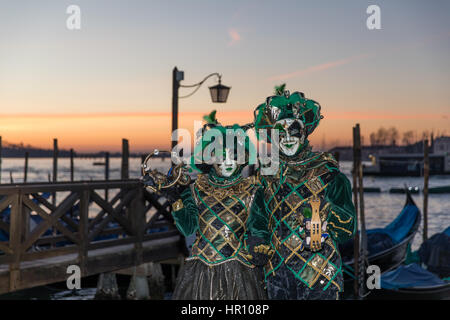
[112, 79]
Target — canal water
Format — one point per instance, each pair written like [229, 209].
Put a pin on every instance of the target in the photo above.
[381, 208]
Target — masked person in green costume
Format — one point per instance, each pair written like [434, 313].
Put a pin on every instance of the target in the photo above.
[226, 211]
[309, 203]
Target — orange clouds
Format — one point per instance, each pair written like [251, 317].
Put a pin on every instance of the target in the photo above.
[235, 37]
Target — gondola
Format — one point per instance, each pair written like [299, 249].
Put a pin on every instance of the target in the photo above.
[387, 247]
[412, 281]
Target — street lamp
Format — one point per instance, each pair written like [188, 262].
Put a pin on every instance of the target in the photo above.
[219, 93]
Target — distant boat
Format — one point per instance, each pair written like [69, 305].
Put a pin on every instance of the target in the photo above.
[435, 190]
[406, 164]
[371, 189]
[387, 247]
[403, 190]
[443, 189]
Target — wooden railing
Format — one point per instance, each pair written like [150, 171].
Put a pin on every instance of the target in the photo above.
[35, 231]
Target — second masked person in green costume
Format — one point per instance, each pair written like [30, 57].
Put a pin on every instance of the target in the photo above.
[309, 203]
[226, 211]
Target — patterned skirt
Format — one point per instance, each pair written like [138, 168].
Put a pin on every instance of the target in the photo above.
[285, 286]
[230, 280]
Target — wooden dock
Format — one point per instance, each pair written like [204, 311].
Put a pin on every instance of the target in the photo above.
[84, 229]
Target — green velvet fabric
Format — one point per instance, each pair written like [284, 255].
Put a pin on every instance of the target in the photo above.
[342, 224]
[186, 219]
[257, 223]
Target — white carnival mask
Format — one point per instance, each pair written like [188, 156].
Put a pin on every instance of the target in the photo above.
[289, 144]
[228, 166]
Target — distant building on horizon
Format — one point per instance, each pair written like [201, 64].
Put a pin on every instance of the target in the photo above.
[440, 145]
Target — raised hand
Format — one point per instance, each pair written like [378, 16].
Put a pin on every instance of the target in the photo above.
[148, 181]
[258, 252]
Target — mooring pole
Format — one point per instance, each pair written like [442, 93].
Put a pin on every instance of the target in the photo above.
[175, 86]
[336, 156]
[55, 167]
[106, 173]
[25, 168]
[71, 165]
[125, 158]
[426, 174]
[361, 208]
[55, 177]
[355, 200]
[0, 159]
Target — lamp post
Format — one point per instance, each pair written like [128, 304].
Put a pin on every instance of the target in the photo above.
[219, 94]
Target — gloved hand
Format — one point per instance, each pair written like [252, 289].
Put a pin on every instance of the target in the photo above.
[307, 243]
[172, 194]
[148, 181]
[258, 252]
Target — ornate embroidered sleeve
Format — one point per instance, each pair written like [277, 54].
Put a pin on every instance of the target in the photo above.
[185, 213]
[342, 218]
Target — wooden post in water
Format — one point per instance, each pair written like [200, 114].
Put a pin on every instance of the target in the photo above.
[0, 159]
[55, 176]
[176, 77]
[355, 201]
[55, 167]
[125, 160]
[336, 156]
[361, 205]
[426, 174]
[25, 168]
[106, 173]
[72, 169]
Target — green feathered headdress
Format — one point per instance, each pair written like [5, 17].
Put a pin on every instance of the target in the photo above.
[202, 161]
[287, 106]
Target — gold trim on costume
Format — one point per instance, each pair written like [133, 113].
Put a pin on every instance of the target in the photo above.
[177, 205]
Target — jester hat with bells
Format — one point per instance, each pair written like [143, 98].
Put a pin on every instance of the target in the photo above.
[284, 105]
[202, 160]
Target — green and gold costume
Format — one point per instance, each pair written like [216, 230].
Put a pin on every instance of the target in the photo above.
[225, 213]
[305, 180]
[287, 198]
[221, 213]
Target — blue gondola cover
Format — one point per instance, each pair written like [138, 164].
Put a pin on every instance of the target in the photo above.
[408, 276]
